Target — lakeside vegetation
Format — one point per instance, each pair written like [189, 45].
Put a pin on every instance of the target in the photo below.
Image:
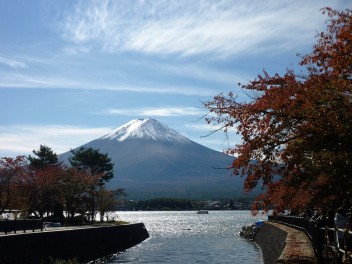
[173, 204]
[39, 186]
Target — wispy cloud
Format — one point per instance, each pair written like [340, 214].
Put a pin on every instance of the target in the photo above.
[13, 63]
[14, 80]
[201, 72]
[188, 28]
[203, 127]
[153, 112]
[24, 139]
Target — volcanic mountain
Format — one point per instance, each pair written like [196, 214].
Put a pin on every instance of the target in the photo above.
[152, 160]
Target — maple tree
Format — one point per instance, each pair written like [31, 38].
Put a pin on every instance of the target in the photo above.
[40, 183]
[41, 186]
[296, 131]
[107, 200]
[10, 171]
[38, 190]
[75, 187]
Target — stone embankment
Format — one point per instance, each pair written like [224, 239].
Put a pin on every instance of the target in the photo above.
[81, 243]
[283, 244]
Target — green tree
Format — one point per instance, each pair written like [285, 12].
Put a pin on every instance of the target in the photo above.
[94, 162]
[97, 165]
[43, 156]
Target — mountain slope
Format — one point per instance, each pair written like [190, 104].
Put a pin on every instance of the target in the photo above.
[152, 160]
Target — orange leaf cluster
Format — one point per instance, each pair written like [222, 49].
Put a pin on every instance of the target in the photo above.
[296, 133]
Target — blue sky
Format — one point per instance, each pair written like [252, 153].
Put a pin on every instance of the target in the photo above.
[71, 71]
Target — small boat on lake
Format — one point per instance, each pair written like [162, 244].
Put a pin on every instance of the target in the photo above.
[203, 212]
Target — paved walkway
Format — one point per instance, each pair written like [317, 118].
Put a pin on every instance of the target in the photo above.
[283, 244]
[298, 248]
[50, 229]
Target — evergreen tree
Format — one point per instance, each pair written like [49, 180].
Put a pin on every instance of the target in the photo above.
[43, 156]
[94, 162]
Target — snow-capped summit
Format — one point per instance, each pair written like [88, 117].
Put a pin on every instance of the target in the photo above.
[146, 128]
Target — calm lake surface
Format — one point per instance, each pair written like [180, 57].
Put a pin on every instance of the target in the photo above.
[188, 237]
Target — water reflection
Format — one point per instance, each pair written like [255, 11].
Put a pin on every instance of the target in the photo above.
[187, 237]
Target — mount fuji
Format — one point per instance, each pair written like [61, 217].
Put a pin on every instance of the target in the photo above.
[152, 160]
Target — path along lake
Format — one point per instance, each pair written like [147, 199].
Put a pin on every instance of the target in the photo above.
[188, 237]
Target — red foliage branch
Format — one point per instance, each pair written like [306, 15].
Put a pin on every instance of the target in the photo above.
[296, 133]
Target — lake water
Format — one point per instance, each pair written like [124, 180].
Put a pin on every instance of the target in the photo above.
[188, 237]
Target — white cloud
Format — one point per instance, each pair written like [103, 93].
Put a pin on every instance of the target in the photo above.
[13, 63]
[161, 111]
[21, 140]
[14, 80]
[201, 72]
[204, 127]
[187, 28]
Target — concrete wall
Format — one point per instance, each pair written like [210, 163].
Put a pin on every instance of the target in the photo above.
[85, 244]
[271, 240]
[20, 225]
